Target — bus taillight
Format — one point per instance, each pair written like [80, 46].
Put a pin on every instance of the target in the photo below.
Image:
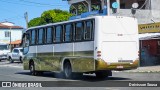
[98, 53]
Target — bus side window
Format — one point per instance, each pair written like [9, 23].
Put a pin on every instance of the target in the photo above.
[58, 31]
[78, 31]
[88, 30]
[40, 36]
[49, 35]
[33, 39]
[68, 32]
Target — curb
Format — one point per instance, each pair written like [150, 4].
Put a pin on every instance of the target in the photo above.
[142, 71]
[138, 71]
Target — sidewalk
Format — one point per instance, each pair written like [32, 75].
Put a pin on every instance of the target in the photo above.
[147, 69]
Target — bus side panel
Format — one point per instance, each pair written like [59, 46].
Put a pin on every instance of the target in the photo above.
[31, 55]
[47, 60]
[26, 63]
[83, 57]
[82, 64]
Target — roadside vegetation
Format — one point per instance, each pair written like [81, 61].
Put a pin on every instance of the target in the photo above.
[50, 16]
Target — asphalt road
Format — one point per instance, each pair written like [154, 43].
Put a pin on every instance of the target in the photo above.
[15, 72]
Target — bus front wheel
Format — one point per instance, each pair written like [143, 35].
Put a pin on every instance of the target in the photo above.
[67, 70]
[32, 69]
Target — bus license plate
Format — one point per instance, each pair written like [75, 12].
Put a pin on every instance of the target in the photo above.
[119, 66]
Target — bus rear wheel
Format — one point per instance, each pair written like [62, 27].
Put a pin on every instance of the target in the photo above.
[67, 70]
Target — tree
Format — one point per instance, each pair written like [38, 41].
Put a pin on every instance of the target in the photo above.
[50, 16]
[61, 15]
[34, 22]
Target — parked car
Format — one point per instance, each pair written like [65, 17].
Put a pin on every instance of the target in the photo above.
[16, 55]
[4, 49]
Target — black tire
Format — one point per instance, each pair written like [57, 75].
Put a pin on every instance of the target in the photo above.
[102, 74]
[32, 69]
[67, 70]
[10, 60]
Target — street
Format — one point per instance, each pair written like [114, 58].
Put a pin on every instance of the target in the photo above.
[15, 72]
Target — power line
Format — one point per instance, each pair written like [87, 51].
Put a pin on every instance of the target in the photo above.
[40, 5]
[12, 18]
[10, 11]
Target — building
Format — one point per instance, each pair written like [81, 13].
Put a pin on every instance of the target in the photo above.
[15, 44]
[148, 11]
[9, 32]
[149, 43]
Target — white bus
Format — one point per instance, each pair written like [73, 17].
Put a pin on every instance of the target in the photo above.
[96, 44]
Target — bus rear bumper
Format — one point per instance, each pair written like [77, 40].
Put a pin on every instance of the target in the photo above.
[102, 65]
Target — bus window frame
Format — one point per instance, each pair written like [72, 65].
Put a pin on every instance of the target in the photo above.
[82, 31]
[70, 34]
[61, 34]
[33, 43]
[73, 32]
[43, 33]
[91, 31]
[46, 34]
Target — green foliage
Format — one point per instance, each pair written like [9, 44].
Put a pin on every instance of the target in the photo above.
[50, 16]
[34, 22]
[61, 15]
[81, 9]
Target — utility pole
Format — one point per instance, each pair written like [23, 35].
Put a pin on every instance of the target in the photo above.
[10, 38]
[26, 19]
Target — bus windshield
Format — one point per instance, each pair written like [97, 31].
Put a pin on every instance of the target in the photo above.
[3, 47]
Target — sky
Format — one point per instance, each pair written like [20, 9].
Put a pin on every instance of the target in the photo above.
[13, 10]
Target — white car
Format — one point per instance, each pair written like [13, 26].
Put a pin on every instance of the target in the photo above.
[4, 49]
[16, 55]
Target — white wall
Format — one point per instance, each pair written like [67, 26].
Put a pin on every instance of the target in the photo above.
[16, 34]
